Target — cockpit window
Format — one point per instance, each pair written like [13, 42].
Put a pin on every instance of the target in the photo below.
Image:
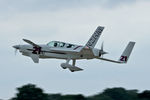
[56, 44]
[70, 45]
[61, 44]
[51, 44]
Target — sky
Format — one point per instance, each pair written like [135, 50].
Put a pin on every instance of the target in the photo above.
[74, 21]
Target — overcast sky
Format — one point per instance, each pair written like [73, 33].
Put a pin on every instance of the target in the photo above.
[74, 21]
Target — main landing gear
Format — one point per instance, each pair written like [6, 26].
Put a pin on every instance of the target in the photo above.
[72, 67]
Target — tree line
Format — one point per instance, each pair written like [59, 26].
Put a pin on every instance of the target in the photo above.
[32, 92]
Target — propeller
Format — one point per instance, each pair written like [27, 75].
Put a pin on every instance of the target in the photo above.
[102, 46]
[102, 52]
[16, 51]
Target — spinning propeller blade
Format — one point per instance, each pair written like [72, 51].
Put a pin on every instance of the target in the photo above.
[102, 50]
[17, 47]
[102, 46]
[15, 51]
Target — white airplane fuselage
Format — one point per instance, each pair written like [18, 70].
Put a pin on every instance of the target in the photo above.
[48, 52]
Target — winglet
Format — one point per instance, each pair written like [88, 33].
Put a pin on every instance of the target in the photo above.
[94, 38]
[126, 54]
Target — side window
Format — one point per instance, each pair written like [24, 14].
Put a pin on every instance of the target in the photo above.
[51, 44]
[55, 44]
[62, 44]
[70, 46]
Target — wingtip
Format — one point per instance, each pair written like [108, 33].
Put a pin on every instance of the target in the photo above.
[132, 42]
[101, 27]
[24, 39]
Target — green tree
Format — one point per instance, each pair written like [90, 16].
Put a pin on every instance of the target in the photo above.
[121, 94]
[54, 97]
[73, 97]
[116, 94]
[99, 97]
[133, 94]
[30, 92]
[144, 95]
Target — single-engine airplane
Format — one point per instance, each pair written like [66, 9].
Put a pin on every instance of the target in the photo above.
[67, 51]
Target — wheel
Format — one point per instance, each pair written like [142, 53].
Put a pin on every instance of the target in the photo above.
[64, 67]
[72, 70]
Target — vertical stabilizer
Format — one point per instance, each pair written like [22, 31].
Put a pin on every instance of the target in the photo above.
[94, 38]
[125, 55]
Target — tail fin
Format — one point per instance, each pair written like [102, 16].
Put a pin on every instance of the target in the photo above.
[94, 38]
[125, 55]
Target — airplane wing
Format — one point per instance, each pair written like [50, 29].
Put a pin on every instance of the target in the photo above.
[94, 38]
[31, 43]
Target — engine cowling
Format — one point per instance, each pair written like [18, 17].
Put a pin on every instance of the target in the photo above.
[97, 52]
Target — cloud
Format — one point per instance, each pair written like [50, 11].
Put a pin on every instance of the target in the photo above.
[53, 5]
[82, 22]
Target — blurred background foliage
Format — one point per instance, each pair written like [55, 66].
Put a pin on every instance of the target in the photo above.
[32, 92]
